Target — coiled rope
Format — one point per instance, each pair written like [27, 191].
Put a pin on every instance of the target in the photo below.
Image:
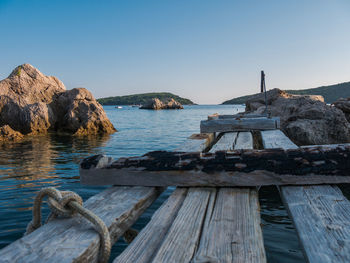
[67, 204]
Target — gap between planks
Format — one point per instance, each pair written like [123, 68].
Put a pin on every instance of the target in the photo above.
[239, 235]
[182, 213]
[321, 214]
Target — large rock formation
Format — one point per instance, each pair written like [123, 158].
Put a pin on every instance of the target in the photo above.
[344, 106]
[32, 103]
[305, 119]
[157, 104]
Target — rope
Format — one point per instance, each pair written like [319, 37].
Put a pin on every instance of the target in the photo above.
[68, 204]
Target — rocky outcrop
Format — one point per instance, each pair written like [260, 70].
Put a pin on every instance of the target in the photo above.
[305, 119]
[8, 134]
[157, 104]
[344, 106]
[79, 113]
[32, 103]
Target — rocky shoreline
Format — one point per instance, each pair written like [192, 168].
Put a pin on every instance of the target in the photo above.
[306, 119]
[32, 103]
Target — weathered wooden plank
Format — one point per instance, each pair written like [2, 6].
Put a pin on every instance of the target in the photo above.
[151, 237]
[74, 239]
[227, 125]
[321, 214]
[232, 231]
[276, 139]
[200, 142]
[181, 241]
[236, 168]
[235, 116]
[244, 141]
[225, 142]
[147, 243]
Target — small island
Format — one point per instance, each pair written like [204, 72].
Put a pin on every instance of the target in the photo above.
[157, 104]
[142, 99]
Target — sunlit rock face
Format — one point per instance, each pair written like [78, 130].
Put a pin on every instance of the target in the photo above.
[8, 134]
[305, 119]
[157, 104]
[32, 103]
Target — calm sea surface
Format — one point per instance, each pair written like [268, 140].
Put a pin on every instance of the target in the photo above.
[51, 160]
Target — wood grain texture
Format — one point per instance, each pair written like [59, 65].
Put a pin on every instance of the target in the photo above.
[244, 141]
[150, 238]
[197, 142]
[321, 214]
[194, 178]
[226, 142]
[74, 239]
[232, 231]
[236, 116]
[276, 139]
[182, 239]
[244, 124]
[246, 167]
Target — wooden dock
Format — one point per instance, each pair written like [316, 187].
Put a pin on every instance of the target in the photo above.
[198, 224]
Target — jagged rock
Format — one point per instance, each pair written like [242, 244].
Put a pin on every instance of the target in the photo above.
[154, 104]
[33, 103]
[305, 119]
[258, 100]
[344, 106]
[173, 104]
[81, 114]
[157, 104]
[8, 134]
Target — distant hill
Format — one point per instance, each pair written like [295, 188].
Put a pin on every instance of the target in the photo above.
[330, 93]
[139, 99]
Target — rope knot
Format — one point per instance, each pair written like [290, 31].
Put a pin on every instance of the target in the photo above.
[67, 204]
[60, 206]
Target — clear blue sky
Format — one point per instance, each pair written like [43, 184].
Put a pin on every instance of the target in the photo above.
[208, 51]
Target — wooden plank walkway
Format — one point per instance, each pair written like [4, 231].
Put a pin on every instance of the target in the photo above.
[230, 213]
[232, 232]
[148, 245]
[229, 125]
[199, 225]
[225, 143]
[308, 166]
[74, 239]
[321, 214]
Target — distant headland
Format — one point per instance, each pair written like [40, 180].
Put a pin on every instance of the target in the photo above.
[330, 93]
[141, 99]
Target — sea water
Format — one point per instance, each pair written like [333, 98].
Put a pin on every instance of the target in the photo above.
[52, 160]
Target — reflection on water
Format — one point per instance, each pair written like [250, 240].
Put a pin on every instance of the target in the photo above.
[29, 165]
[280, 239]
[52, 160]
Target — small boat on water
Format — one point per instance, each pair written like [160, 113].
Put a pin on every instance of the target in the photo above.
[118, 107]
